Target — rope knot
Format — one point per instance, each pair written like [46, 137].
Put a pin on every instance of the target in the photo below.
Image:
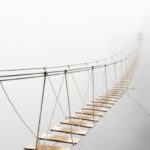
[65, 71]
[45, 73]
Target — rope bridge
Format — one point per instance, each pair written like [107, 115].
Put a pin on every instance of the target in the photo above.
[75, 125]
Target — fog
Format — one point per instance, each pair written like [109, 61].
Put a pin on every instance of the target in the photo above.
[49, 33]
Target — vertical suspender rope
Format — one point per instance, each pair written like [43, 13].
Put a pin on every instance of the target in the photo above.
[90, 77]
[126, 60]
[41, 108]
[93, 90]
[129, 60]
[132, 58]
[88, 70]
[106, 86]
[102, 77]
[115, 71]
[57, 96]
[87, 89]
[121, 64]
[69, 105]
[125, 68]
[77, 87]
[57, 101]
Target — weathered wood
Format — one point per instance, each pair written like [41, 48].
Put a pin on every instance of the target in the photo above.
[44, 147]
[79, 123]
[69, 130]
[59, 138]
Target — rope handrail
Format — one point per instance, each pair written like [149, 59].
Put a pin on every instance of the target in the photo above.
[60, 66]
[9, 77]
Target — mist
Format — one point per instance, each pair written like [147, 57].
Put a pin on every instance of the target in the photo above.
[50, 33]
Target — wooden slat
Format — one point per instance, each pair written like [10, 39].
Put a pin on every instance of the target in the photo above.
[110, 96]
[107, 99]
[79, 123]
[114, 92]
[88, 118]
[44, 147]
[124, 82]
[96, 113]
[59, 138]
[117, 87]
[96, 108]
[115, 95]
[98, 104]
[106, 102]
[69, 130]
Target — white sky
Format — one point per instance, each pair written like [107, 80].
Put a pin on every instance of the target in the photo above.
[36, 33]
[44, 33]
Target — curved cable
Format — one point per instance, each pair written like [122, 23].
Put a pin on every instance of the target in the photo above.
[16, 111]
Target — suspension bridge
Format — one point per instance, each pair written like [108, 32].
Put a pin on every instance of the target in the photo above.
[76, 124]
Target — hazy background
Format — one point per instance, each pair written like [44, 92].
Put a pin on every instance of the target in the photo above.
[46, 33]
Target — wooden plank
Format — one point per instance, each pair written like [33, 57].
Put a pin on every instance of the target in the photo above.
[117, 88]
[98, 104]
[105, 102]
[96, 113]
[88, 118]
[96, 108]
[79, 123]
[59, 138]
[120, 87]
[114, 93]
[109, 96]
[106, 99]
[69, 130]
[44, 147]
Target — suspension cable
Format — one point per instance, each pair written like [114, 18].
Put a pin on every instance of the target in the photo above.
[41, 108]
[138, 104]
[90, 74]
[77, 87]
[57, 96]
[51, 73]
[87, 90]
[16, 111]
[93, 90]
[106, 82]
[69, 105]
[53, 112]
